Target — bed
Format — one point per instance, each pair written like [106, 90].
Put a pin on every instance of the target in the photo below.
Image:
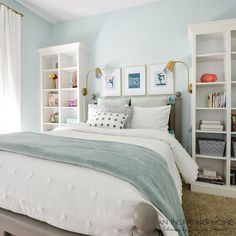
[63, 198]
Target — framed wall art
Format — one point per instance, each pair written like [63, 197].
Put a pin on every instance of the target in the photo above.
[160, 81]
[111, 82]
[134, 81]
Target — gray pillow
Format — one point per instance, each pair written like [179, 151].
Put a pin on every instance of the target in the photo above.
[120, 110]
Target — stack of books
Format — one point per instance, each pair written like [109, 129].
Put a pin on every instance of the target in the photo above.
[208, 125]
[210, 176]
[216, 100]
[233, 118]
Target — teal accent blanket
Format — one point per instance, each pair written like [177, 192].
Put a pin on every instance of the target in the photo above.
[140, 166]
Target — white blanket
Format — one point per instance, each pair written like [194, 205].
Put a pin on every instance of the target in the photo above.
[82, 200]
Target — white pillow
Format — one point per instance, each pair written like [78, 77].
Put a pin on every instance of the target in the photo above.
[150, 118]
[109, 120]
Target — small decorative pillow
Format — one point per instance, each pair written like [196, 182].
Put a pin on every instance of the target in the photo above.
[121, 110]
[109, 120]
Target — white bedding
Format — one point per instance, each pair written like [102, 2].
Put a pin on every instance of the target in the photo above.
[83, 200]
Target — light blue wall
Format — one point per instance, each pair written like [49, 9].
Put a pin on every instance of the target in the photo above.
[146, 34]
[36, 33]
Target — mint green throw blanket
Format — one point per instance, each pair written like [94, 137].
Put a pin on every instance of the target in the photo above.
[140, 166]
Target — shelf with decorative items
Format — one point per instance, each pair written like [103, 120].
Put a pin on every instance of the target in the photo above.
[63, 72]
[214, 106]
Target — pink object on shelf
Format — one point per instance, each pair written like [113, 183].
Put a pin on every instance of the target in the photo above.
[72, 103]
[207, 78]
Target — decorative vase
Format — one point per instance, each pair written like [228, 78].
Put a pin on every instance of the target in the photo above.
[52, 118]
[54, 84]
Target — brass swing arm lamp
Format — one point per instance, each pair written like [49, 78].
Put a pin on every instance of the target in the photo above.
[98, 73]
[170, 67]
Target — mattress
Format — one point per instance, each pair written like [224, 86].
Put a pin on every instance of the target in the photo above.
[83, 200]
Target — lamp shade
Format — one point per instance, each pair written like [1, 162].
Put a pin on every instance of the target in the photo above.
[98, 72]
[170, 66]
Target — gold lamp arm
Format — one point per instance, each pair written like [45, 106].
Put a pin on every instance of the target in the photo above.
[85, 90]
[170, 66]
[190, 87]
[98, 73]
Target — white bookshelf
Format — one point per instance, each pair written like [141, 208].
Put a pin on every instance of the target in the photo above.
[63, 60]
[214, 51]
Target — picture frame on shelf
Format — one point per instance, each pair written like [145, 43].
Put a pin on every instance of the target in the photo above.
[111, 82]
[53, 99]
[160, 81]
[134, 81]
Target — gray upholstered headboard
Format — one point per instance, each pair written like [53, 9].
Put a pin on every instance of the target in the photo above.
[175, 122]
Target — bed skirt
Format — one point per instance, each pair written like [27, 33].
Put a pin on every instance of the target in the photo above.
[12, 224]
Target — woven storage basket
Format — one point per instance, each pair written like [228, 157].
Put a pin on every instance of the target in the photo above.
[211, 147]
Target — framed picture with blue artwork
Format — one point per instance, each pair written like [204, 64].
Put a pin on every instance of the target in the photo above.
[160, 81]
[111, 82]
[134, 81]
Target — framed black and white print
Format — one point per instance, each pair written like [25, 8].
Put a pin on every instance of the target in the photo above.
[160, 81]
[134, 81]
[111, 82]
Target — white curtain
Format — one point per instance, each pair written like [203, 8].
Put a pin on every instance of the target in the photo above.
[10, 82]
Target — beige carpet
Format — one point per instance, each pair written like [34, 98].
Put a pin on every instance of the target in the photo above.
[209, 215]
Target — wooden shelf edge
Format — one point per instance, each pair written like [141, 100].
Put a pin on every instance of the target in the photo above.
[210, 157]
[211, 132]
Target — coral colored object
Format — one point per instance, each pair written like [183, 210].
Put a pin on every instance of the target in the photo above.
[206, 78]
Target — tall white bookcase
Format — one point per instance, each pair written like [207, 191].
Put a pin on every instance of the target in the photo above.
[214, 51]
[62, 60]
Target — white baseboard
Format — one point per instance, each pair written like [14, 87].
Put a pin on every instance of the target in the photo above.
[224, 191]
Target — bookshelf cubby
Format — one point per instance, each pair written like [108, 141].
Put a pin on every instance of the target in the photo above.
[214, 52]
[62, 60]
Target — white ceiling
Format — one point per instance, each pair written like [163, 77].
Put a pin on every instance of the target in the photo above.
[64, 10]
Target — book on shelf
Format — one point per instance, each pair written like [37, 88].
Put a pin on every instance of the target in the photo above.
[211, 122]
[233, 119]
[211, 126]
[209, 172]
[216, 100]
[210, 179]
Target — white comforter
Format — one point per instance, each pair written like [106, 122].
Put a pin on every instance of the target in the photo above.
[83, 200]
